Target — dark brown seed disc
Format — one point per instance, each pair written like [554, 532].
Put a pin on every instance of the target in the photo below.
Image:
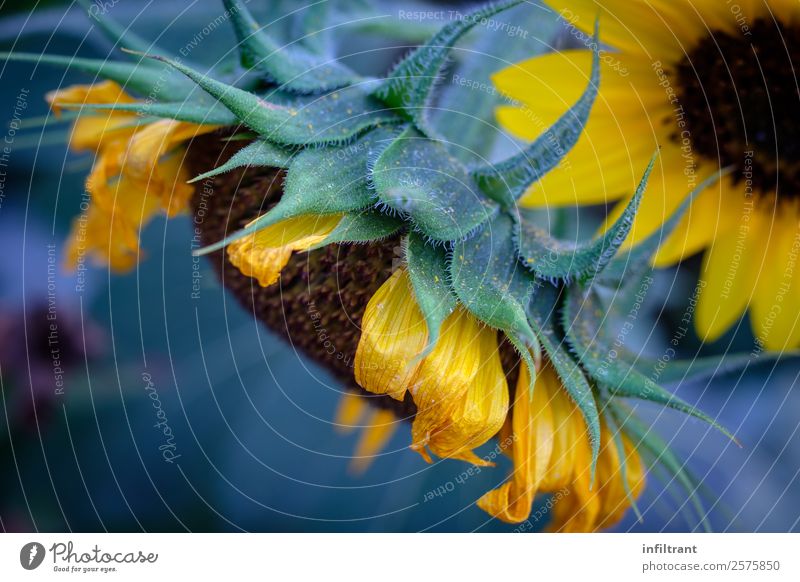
[739, 94]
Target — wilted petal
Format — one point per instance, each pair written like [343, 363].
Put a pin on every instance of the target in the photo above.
[264, 253]
[478, 414]
[393, 332]
[95, 128]
[532, 446]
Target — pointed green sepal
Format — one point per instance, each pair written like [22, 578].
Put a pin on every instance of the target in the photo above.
[258, 153]
[332, 118]
[367, 226]
[131, 76]
[593, 343]
[491, 283]
[427, 269]
[410, 84]
[553, 259]
[200, 111]
[637, 260]
[293, 67]
[654, 449]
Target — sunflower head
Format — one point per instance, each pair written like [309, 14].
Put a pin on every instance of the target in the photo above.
[482, 323]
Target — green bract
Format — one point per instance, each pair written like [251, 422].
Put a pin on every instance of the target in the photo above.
[366, 149]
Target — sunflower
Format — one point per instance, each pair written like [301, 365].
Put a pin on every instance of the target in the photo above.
[333, 210]
[713, 85]
[137, 173]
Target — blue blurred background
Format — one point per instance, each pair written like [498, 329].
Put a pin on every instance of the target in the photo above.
[254, 445]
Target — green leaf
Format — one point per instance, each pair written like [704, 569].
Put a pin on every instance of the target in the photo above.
[552, 259]
[332, 118]
[491, 283]
[589, 337]
[410, 84]
[427, 268]
[293, 67]
[418, 178]
[321, 181]
[542, 312]
[367, 226]
[145, 80]
[258, 153]
[120, 35]
[637, 260]
[508, 180]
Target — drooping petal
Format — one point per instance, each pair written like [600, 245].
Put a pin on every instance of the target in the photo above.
[445, 375]
[393, 333]
[532, 438]
[93, 129]
[103, 239]
[264, 253]
[587, 507]
[147, 147]
[452, 432]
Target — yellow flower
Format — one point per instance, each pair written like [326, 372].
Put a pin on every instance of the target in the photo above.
[137, 173]
[459, 389]
[551, 453]
[264, 253]
[710, 83]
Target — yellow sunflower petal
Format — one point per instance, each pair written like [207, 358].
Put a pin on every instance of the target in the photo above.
[393, 333]
[568, 429]
[647, 26]
[612, 490]
[156, 139]
[263, 254]
[477, 416]
[447, 372]
[775, 311]
[730, 270]
[350, 411]
[94, 128]
[532, 425]
[105, 92]
[379, 430]
[97, 236]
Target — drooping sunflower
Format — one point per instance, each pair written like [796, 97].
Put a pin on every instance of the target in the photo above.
[714, 85]
[334, 211]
